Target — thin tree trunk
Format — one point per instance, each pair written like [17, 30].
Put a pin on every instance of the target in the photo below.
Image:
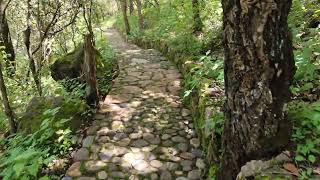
[7, 107]
[5, 38]
[197, 26]
[131, 6]
[140, 16]
[259, 68]
[124, 8]
[27, 42]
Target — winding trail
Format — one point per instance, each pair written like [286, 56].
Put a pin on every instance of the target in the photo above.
[141, 131]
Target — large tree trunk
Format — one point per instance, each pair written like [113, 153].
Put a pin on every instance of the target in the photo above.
[5, 38]
[90, 70]
[259, 68]
[7, 108]
[197, 22]
[140, 16]
[124, 7]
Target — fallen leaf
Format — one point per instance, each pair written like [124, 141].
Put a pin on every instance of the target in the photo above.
[291, 168]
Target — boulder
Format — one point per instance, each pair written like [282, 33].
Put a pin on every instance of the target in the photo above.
[32, 119]
[69, 66]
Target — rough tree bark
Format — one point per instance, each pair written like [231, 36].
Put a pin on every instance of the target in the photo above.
[259, 69]
[7, 108]
[197, 22]
[124, 7]
[27, 42]
[140, 16]
[5, 38]
[131, 6]
[89, 70]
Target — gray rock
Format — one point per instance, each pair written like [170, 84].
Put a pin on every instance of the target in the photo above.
[172, 166]
[81, 154]
[124, 142]
[200, 164]
[66, 178]
[179, 139]
[165, 175]
[165, 137]
[95, 166]
[156, 164]
[187, 155]
[195, 174]
[139, 143]
[182, 178]
[88, 141]
[183, 147]
[74, 170]
[118, 174]
[102, 175]
[86, 178]
[186, 163]
[195, 142]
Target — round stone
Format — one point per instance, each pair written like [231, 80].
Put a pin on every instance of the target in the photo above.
[135, 136]
[179, 139]
[148, 136]
[139, 143]
[165, 175]
[81, 155]
[88, 141]
[86, 178]
[186, 163]
[187, 155]
[200, 164]
[141, 166]
[116, 125]
[183, 147]
[165, 137]
[118, 174]
[182, 178]
[185, 112]
[154, 176]
[66, 178]
[102, 175]
[156, 164]
[172, 166]
[124, 142]
[74, 170]
[195, 142]
[119, 136]
[94, 166]
[195, 174]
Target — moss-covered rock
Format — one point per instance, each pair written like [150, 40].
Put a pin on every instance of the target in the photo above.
[32, 119]
[69, 66]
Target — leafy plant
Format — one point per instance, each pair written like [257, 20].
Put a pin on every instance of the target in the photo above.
[208, 67]
[25, 155]
[306, 118]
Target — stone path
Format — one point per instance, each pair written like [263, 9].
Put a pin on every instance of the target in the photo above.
[142, 131]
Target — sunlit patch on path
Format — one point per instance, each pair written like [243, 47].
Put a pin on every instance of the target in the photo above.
[142, 131]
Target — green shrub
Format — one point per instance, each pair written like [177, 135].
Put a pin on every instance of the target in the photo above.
[306, 134]
[25, 155]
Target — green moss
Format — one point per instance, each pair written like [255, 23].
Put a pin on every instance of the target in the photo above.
[68, 109]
